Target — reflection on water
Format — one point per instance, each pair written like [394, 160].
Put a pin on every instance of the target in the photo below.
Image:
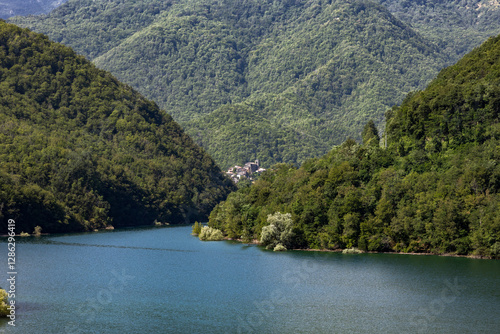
[52, 242]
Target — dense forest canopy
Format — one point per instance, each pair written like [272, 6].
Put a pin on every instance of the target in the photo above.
[278, 81]
[454, 25]
[80, 150]
[433, 186]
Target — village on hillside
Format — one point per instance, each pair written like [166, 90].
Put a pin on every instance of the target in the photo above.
[248, 171]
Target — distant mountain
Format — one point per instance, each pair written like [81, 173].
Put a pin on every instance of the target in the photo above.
[432, 187]
[9, 8]
[278, 81]
[79, 150]
[456, 26]
[329, 70]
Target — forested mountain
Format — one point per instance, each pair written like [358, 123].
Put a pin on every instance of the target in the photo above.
[434, 186]
[280, 81]
[80, 150]
[316, 82]
[456, 26]
[10, 8]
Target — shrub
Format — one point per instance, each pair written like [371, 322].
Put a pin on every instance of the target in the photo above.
[38, 231]
[4, 303]
[279, 248]
[352, 251]
[210, 234]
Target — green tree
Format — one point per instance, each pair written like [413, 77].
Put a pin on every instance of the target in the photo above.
[196, 229]
[279, 231]
[370, 134]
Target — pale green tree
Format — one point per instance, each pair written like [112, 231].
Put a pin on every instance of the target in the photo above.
[4, 303]
[279, 231]
[38, 231]
[210, 234]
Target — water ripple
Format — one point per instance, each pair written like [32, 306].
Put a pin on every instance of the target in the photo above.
[52, 242]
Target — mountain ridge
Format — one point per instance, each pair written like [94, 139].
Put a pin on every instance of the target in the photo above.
[336, 63]
[80, 150]
[9, 8]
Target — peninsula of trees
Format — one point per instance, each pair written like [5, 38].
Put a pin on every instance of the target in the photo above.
[431, 184]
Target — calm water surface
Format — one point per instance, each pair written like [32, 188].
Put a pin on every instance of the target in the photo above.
[163, 280]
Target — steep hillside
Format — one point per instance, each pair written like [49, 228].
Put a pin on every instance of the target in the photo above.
[94, 27]
[456, 26]
[333, 68]
[435, 188]
[249, 131]
[460, 106]
[312, 71]
[79, 150]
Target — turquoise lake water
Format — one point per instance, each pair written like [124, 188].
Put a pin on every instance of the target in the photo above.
[163, 280]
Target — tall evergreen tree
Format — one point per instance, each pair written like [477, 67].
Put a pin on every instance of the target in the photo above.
[370, 134]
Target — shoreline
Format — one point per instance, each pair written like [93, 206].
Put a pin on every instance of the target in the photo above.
[256, 242]
[104, 229]
[339, 250]
[398, 253]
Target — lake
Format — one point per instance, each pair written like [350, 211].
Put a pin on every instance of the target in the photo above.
[163, 280]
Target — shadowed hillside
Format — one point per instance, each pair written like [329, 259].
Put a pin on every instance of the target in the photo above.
[80, 150]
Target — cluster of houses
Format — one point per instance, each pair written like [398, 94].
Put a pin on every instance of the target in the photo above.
[236, 173]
